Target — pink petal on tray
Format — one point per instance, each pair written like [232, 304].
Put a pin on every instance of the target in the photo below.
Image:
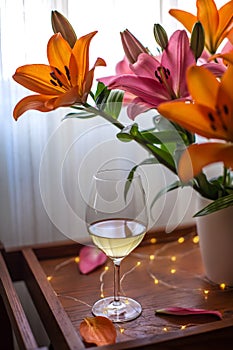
[181, 311]
[90, 258]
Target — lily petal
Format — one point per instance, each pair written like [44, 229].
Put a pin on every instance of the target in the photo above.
[207, 14]
[37, 102]
[197, 156]
[177, 57]
[136, 107]
[36, 77]
[145, 66]
[182, 311]
[90, 259]
[59, 52]
[81, 53]
[192, 117]
[98, 330]
[122, 67]
[203, 86]
[215, 68]
[187, 19]
[66, 99]
[150, 90]
[225, 22]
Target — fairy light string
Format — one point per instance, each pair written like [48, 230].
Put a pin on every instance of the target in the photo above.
[150, 260]
[158, 255]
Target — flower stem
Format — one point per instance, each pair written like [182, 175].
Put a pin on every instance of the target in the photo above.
[148, 147]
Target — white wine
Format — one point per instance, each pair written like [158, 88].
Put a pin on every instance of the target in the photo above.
[117, 237]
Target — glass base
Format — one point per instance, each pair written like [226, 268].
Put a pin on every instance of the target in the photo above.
[125, 310]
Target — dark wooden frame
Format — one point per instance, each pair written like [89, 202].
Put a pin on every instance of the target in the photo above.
[24, 264]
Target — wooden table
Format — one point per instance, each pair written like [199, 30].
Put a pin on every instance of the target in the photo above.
[157, 274]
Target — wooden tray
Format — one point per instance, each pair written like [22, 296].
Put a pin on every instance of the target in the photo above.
[158, 275]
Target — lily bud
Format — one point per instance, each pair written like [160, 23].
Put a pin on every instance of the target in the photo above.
[132, 46]
[197, 42]
[160, 35]
[61, 25]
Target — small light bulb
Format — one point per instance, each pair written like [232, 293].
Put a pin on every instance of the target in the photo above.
[173, 258]
[153, 240]
[196, 239]
[152, 257]
[173, 271]
[181, 240]
[49, 278]
[156, 281]
[77, 259]
[106, 268]
[138, 263]
[222, 286]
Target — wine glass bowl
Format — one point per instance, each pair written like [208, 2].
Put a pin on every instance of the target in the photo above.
[116, 218]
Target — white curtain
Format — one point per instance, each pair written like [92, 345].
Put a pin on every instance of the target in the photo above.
[46, 164]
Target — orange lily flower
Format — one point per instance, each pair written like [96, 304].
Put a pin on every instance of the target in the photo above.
[210, 115]
[217, 24]
[66, 81]
[227, 57]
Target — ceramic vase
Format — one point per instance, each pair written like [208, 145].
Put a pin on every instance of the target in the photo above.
[215, 233]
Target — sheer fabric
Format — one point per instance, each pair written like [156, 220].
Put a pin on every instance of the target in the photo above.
[46, 164]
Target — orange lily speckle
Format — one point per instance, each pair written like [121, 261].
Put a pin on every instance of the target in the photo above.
[66, 81]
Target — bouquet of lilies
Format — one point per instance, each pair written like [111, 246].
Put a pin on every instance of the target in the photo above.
[189, 84]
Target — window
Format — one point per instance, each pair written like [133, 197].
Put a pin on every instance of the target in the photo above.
[25, 30]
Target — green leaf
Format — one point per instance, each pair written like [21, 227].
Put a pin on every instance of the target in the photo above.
[207, 188]
[216, 205]
[128, 133]
[167, 189]
[82, 115]
[113, 103]
[124, 137]
[160, 137]
[101, 95]
[146, 161]
[164, 157]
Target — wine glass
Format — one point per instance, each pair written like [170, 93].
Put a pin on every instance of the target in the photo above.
[116, 218]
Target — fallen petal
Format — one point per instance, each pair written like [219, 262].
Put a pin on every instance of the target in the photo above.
[181, 311]
[90, 258]
[98, 330]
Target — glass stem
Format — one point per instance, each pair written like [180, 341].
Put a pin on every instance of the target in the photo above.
[117, 282]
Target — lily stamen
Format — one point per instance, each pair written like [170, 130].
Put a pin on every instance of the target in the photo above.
[219, 111]
[67, 72]
[55, 81]
[163, 74]
[226, 110]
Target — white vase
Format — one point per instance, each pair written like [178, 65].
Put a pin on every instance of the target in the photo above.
[215, 233]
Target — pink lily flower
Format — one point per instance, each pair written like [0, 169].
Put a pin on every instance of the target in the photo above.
[156, 80]
[122, 67]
